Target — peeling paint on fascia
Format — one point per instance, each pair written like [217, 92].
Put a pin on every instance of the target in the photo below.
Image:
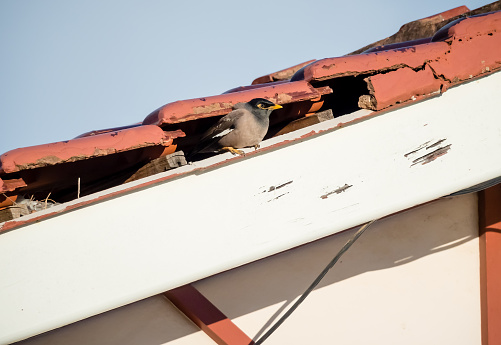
[417, 149]
[430, 157]
[272, 188]
[436, 143]
[337, 191]
[425, 146]
[275, 198]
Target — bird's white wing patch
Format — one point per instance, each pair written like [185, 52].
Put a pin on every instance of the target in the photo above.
[223, 133]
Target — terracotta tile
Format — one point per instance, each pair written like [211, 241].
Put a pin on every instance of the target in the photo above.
[85, 148]
[197, 108]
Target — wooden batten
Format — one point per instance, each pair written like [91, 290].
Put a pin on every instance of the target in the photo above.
[13, 212]
[161, 164]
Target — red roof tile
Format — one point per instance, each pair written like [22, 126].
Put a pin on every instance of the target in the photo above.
[466, 48]
[197, 108]
[399, 86]
[412, 57]
[85, 148]
[11, 185]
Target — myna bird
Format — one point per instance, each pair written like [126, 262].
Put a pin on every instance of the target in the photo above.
[245, 126]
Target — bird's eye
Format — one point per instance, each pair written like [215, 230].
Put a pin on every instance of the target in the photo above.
[260, 105]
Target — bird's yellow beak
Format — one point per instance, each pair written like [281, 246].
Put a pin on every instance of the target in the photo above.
[276, 106]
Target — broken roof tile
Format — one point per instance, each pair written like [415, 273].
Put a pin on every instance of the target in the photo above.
[11, 185]
[197, 108]
[85, 148]
[412, 33]
[398, 86]
[469, 48]
[414, 57]
[475, 48]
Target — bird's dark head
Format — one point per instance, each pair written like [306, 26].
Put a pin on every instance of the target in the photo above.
[263, 107]
[262, 103]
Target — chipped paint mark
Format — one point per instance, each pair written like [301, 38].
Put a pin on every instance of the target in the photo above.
[432, 155]
[281, 195]
[272, 188]
[425, 146]
[435, 144]
[417, 149]
[337, 191]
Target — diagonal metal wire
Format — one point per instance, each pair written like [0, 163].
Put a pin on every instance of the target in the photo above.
[315, 282]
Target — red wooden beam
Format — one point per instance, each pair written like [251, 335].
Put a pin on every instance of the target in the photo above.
[207, 316]
[490, 264]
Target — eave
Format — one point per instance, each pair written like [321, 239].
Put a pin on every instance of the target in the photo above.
[304, 185]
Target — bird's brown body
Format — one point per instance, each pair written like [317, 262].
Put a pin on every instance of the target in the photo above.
[245, 126]
[248, 130]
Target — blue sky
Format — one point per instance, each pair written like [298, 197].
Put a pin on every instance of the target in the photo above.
[69, 67]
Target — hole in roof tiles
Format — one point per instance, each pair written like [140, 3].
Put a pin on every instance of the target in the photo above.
[99, 173]
[346, 93]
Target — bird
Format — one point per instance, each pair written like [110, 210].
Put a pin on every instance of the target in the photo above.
[245, 126]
